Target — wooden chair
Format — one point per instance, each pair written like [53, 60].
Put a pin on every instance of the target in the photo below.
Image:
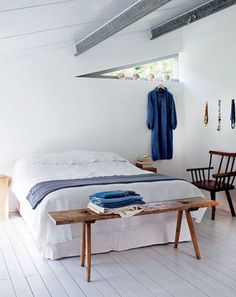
[219, 180]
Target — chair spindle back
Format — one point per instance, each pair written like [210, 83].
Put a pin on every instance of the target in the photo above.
[226, 171]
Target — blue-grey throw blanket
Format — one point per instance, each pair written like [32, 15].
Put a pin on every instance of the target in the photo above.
[41, 190]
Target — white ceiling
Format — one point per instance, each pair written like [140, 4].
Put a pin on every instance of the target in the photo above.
[32, 24]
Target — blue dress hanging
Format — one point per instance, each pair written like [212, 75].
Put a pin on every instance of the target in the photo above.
[161, 119]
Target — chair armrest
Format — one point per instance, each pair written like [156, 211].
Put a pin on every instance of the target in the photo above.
[198, 174]
[227, 174]
[200, 168]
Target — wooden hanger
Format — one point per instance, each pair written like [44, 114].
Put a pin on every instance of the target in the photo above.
[161, 86]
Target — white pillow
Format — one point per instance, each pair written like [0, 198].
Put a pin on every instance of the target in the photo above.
[93, 156]
[70, 158]
[47, 159]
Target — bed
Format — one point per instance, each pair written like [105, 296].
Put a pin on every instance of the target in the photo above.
[64, 241]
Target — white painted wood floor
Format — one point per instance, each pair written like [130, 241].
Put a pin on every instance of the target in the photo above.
[146, 272]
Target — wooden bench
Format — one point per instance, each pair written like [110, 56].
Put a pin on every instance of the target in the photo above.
[88, 217]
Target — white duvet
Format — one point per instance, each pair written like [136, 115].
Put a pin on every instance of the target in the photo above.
[30, 171]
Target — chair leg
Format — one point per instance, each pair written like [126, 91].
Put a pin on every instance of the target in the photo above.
[231, 206]
[213, 197]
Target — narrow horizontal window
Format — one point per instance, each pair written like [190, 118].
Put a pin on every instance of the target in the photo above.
[165, 69]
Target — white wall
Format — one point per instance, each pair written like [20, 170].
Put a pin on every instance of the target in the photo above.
[44, 107]
[207, 68]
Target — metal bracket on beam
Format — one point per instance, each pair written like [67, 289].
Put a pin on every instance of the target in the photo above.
[191, 16]
[119, 22]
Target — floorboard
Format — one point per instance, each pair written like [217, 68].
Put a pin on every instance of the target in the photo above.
[151, 271]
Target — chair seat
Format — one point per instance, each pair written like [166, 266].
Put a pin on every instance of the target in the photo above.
[210, 185]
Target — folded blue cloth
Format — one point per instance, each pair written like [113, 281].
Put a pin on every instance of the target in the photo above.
[118, 204]
[114, 194]
[116, 200]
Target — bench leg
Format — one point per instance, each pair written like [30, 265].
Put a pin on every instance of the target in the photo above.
[88, 250]
[193, 234]
[178, 227]
[82, 252]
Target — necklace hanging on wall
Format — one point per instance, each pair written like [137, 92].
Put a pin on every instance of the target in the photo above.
[232, 115]
[219, 115]
[206, 114]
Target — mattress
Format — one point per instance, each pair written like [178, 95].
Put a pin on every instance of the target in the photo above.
[62, 241]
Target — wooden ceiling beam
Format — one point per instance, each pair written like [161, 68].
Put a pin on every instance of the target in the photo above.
[132, 14]
[191, 16]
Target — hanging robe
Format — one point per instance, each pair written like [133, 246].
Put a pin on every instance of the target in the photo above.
[161, 119]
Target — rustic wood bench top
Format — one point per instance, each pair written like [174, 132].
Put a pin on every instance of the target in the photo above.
[87, 217]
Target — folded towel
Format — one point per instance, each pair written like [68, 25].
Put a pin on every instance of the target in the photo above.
[114, 194]
[124, 212]
[118, 204]
[103, 210]
[116, 200]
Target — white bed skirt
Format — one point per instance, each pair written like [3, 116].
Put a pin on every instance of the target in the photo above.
[145, 235]
[159, 231]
